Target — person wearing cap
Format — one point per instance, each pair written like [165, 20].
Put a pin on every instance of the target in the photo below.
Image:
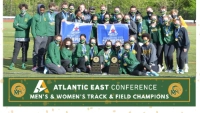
[101, 15]
[22, 25]
[62, 17]
[39, 27]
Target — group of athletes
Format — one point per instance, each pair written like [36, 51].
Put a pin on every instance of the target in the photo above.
[152, 40]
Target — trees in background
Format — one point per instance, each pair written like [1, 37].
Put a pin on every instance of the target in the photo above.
[187, 8]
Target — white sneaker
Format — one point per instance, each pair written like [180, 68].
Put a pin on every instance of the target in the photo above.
[104, 74]
[186, 68]
[45, 70]
[167, 70]
[171, 71]
[160, 68]
[177, 69]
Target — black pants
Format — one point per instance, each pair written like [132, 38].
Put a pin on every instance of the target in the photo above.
[39, 51]
[159, 53]
[81, 64]
[106, 69]
[139, 70]
[50, 39]
[17, 46]
[181, 57]
[65, 64]
[168, 52]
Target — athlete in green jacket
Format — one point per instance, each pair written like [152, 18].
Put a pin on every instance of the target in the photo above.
[21, 24]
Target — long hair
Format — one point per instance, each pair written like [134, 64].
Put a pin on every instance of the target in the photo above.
[106, 43]
[64, 43]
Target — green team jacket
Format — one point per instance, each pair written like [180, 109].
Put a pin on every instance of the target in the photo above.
[39, 25]
[145, 18]
[101, 53]
[53, 54]
[144, 30]
[78, 53]
[66, 54]
[50, 23]
[23, 27]
[130, 61]
[94, 54]
[170, 39]
[156, 36]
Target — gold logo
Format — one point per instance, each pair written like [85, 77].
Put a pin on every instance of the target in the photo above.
[175, 90]
[96, 59]
[18, 90]
[114, 59]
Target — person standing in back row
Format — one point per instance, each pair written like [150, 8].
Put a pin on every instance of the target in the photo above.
[51, 23]
[22, 25]
[62, 16]
[39, 28]
[182, 44]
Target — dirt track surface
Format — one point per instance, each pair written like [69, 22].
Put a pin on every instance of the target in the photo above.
[11, 20]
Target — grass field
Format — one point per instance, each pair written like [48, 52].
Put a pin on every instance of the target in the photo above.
[8, 43]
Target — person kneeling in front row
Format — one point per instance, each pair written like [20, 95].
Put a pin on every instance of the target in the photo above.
[53, 62]
[66, 54]
[130, 64]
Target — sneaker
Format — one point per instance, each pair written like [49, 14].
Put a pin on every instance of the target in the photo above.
[78, 70]
[148, 73]
[45, 70]
[34, 68]
[167, 70]
[104, 74]
[23, 66]
[177, 69]
[171, 71]
[186, 68]
[40, 69]
[154, 73]
[181, 71]
[160, 68]
[12, 66]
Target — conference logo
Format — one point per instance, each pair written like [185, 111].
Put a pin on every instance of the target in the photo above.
[112, 31]
[41, 86]
[75, 29]
[175, 90]
[18, 90]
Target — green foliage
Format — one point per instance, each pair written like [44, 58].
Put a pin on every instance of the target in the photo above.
[187, 8]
